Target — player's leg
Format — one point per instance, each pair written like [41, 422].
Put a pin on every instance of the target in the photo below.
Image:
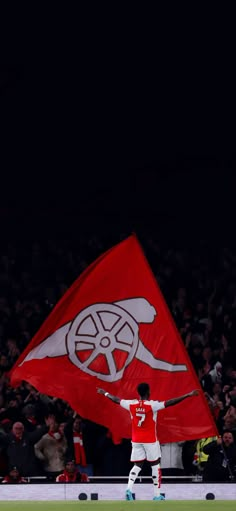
[153, 453]
[138, 457]
[156, 477]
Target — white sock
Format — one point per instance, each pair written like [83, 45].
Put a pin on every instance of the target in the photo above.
[134, 472]
[156, 477]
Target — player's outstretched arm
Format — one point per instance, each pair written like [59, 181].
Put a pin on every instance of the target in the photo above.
[177, 400]
[115, 399]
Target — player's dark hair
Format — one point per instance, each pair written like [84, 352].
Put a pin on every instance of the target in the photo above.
[143, 389]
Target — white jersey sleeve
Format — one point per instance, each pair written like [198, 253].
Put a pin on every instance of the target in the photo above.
[125, 403]
[157, 405]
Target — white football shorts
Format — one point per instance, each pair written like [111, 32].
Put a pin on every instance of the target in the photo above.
[149, 452]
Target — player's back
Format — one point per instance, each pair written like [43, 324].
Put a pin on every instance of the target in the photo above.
[143, 419]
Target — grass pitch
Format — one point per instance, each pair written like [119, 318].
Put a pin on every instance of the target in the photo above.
[109, 505]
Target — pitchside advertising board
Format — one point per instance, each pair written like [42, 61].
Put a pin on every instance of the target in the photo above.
[110, 492]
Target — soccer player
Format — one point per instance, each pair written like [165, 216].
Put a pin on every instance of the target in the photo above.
[145, 445]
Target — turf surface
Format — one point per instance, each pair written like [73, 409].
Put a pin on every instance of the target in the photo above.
[108, 505]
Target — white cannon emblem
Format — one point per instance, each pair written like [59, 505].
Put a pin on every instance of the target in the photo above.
[101, 330]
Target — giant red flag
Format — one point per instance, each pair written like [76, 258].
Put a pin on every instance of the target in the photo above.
[113, 329]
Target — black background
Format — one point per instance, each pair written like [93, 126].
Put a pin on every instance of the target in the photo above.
[117, 121]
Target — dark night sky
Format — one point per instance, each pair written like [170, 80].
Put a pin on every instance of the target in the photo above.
[95, 125]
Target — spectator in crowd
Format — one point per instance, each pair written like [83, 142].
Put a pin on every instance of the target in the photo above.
[205, 380]
[29, 418]
[19, 446]
[200, 457]
[230, 417]
[14, 477]
[207, 356]
[216, 373]
[71, 474]
[73, 431]
[217, 392]
[221, 463]
[214, 406]
[51, 450]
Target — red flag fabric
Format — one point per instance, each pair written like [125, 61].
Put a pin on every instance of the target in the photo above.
[113, 329]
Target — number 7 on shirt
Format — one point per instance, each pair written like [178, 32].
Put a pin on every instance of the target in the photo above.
[142, 415]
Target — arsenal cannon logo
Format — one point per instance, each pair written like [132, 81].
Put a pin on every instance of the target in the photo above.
[103, 339]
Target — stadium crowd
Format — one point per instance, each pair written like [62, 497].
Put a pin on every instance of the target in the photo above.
[41, 435]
